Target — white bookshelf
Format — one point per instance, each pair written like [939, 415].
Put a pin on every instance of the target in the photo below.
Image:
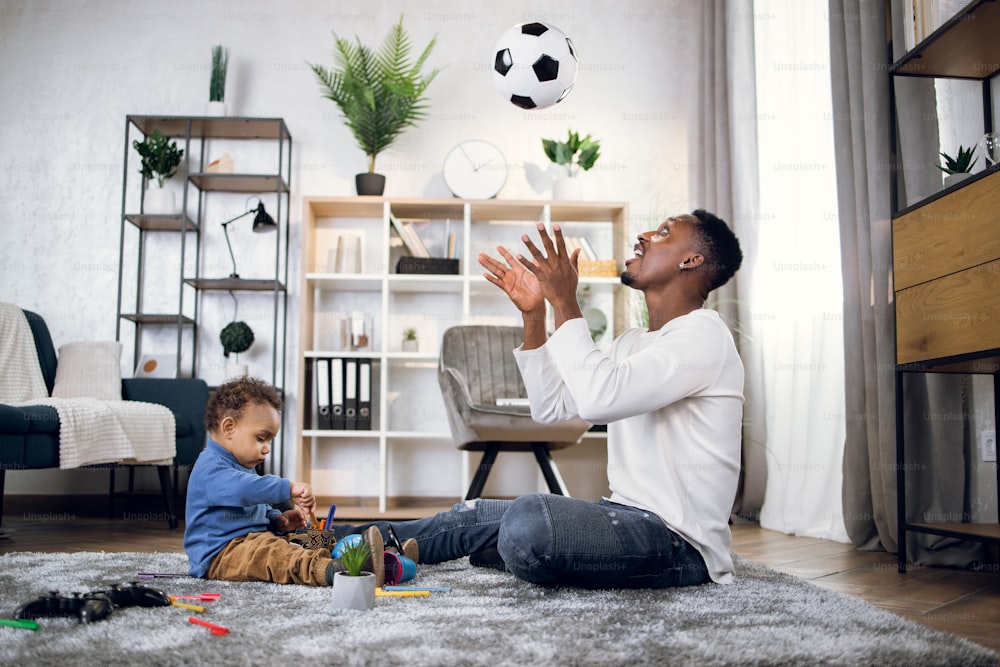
[408, 456]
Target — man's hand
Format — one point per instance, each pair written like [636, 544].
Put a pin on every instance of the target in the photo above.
[555, 271]
[518, 284]
[302, 495]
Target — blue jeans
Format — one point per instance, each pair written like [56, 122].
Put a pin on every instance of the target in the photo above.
[554, 540]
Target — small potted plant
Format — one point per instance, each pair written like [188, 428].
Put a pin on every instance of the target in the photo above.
[217, 85]
[160, 161]
[576, 155]
[957, 168]
[410, 343]
[354, 588]
[236, 337]
[379, 93]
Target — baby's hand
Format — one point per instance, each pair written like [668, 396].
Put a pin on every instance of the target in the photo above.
[302, 496]
[289, 521]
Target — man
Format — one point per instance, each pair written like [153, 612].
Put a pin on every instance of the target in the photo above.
[671, 395]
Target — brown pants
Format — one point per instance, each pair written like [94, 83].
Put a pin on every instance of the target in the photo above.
[268, 557]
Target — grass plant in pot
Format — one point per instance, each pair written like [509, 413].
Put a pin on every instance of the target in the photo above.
[236, 337]
[160, 159]
[379, 93]
[957, 168]
[354, 588]
[575, 155]
[217, 85]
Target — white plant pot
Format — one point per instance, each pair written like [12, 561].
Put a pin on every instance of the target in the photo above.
[354, 592]
[215, 109]
[567, 189]
[952, 179]
[411, 345]
[235, 371]
[159, 201]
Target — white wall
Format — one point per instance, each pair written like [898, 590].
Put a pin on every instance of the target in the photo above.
[73, 71]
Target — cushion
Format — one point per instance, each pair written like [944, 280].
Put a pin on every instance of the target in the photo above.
[89, 368]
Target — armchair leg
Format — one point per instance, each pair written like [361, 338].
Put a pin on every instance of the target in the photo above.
[485, 465]
[168, 495]
[549, 470]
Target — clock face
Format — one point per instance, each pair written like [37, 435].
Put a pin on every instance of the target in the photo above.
[475, 170]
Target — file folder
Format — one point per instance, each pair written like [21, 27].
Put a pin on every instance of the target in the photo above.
[323, 413]
[350, 394]
[337, 394]
[364, 394]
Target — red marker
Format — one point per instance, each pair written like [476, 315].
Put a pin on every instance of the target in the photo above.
[204, 597]
[216, 629]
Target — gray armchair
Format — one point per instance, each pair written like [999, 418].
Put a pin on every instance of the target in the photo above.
[476, 368]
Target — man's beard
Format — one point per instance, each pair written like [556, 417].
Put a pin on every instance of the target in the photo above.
[627, 278]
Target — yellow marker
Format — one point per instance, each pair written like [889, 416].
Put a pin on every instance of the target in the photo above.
[312, 519]
[193, 607]
[379, 593]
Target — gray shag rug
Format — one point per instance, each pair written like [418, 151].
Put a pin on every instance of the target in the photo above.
[488, 618]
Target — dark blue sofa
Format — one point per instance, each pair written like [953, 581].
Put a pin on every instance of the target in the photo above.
[29, 436]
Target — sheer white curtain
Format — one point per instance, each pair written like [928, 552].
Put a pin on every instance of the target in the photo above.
[797, 303]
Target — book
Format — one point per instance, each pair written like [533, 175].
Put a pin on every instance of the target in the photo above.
[408, 233]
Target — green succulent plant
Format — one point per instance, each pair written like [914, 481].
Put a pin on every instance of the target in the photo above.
[574, 153]
[236, 337]
[160, 157]
[961, 164]
[353, 557]
[380, 93]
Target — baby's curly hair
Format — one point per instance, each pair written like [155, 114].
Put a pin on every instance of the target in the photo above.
[231, 398]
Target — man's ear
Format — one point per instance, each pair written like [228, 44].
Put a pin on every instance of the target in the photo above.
[694, 261]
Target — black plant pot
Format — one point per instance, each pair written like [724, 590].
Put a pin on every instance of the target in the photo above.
[369, 184]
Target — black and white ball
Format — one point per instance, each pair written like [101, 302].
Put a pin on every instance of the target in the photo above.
[534, 65]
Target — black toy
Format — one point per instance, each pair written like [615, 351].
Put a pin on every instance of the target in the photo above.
[93, 606]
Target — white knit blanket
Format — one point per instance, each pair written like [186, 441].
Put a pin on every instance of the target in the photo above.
[91, 431]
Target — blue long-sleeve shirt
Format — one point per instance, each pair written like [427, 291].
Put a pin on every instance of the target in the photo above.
[224, 501]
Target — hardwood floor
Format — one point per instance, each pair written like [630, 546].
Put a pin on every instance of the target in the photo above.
[956, 601]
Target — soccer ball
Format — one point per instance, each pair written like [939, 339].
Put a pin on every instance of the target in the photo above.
[534, 65]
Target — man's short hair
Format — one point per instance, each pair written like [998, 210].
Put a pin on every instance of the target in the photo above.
[720, 247]
[230, 399]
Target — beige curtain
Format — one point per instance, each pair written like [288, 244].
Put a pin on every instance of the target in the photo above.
[935, 444]
[725, 182]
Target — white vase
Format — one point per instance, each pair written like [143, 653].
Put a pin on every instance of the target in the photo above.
[952, 179]
[235, 371]
[159, 201]
[354, 592]
[567, 189]
[215, 109]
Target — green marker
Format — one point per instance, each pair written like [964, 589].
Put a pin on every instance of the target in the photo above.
[27, 625]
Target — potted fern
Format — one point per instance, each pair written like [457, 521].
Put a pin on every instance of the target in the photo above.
[217, 83]
[575, 155]
[957, 168]
[354, 588]
[379, 93]
[160, 159]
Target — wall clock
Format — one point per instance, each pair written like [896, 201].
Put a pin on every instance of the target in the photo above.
[475, 169]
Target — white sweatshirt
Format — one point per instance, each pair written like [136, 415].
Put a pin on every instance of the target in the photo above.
[673, 402]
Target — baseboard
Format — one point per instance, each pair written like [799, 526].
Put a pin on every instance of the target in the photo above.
[31, 507]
